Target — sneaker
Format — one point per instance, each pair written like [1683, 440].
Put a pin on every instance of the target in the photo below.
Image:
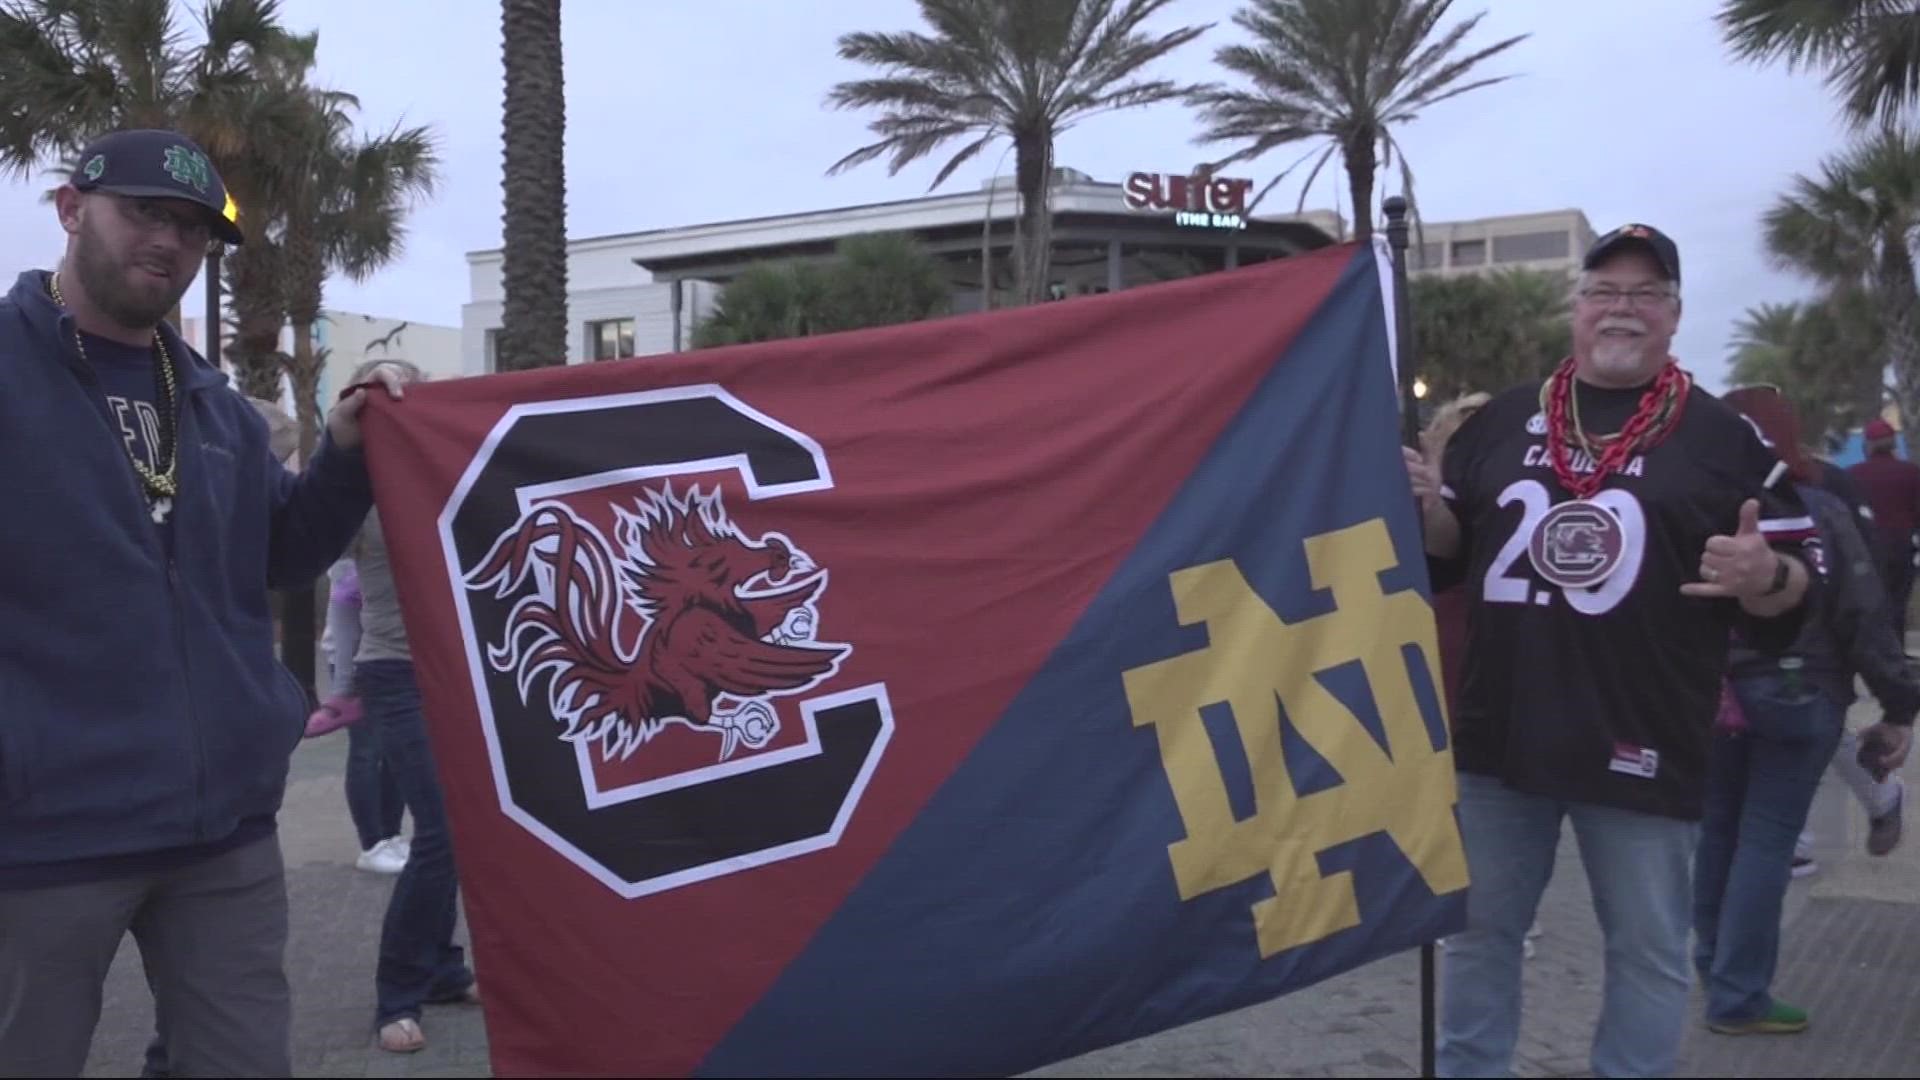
[382, 858]
[1883, 832]
[1804, 865]
[334, 714]
[1781, 1019]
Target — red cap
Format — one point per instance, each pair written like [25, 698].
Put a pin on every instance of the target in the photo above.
[1878, 429]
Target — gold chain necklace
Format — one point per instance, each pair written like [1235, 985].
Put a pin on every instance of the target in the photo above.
[1595, 445]
[161, 485]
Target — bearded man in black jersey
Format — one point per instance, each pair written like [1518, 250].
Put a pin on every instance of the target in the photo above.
[1612, 526]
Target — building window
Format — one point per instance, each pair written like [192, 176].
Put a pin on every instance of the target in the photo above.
[493, 350]
[609, 339]
[1469, 252]
[1430, 257]
[1522, 247]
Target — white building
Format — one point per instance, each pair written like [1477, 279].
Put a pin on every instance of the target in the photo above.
[641, 294]
[350, 338]
[1549, 240]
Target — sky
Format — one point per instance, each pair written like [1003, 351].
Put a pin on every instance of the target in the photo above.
[688, 111]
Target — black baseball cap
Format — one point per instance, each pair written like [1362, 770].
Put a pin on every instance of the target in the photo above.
[151, 164]
[1658, 244]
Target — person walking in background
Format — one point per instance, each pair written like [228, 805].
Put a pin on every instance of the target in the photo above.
[419, 963]
[373, 796]
[1892, 490]
[1762, 776]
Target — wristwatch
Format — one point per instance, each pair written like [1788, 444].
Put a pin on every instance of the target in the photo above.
[1781, 575]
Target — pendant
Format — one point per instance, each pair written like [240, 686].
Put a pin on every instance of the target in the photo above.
[1577, 544]
[162, 506]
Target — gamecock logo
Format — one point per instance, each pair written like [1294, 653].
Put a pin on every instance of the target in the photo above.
[1577, 545]
[659, 705]
[724, 622]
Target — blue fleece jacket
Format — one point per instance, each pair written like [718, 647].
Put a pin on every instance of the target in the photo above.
[142, 707]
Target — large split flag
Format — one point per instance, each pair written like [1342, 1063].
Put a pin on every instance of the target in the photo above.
[948, 699]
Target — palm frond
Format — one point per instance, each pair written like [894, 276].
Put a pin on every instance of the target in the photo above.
[1348, 71]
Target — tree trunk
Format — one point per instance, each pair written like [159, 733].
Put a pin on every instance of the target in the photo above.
[259, 311]
[1358, 153]
[1901, 309]
[1033, 254]
[533, 322]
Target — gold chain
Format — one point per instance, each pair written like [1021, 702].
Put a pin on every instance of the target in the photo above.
[158, 484]
[1594, 445]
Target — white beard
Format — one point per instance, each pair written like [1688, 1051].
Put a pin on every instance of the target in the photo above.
[1621, 360]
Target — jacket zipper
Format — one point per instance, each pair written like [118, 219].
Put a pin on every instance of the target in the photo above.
[155, 541]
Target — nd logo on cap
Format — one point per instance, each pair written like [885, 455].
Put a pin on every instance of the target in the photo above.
[189, 167]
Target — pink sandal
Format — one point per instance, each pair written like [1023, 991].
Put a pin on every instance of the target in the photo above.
[334, 714]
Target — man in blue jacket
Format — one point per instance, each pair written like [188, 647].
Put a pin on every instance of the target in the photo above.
[145, 721]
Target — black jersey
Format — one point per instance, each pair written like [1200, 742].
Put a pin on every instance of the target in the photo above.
[1605, 693]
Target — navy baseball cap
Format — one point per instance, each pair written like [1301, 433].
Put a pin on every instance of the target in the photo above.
[1652, 240]
[151, 164]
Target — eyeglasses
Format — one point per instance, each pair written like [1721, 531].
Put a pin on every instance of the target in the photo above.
[1645, 296]
[152, 215]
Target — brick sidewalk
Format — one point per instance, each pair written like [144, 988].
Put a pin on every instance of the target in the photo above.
[1849, 957]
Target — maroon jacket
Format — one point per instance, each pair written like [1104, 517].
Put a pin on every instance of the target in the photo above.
[1892, 489]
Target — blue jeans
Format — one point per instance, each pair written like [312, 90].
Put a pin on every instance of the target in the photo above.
[419, 963]
[1760, 786]
[1637, 865]
[373, 794]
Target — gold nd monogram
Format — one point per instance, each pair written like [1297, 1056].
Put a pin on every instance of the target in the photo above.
[1256, 663]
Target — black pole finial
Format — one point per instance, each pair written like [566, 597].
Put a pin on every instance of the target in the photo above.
[1395, 207]
[1396, 211]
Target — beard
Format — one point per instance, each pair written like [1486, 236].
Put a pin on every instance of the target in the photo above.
[130, 298]
[1625, 361]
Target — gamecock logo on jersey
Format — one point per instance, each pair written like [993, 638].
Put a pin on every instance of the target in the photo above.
[1577, 545]
[645, 644]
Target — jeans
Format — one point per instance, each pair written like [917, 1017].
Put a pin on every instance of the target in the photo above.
[419, 963]
[1760, 786]
[1637, 866]
[374, 800]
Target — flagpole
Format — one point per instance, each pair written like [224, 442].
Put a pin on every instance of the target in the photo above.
[1396, 212]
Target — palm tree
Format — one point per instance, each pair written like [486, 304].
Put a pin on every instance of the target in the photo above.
[1825, 356]
[1025, 70]
[533, 319]
[1870, 49]
[255, 276]
[1346, 71]
[1854, 228]
[1762, 343]
[72, 70]
[874, 279]
[345, 212]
